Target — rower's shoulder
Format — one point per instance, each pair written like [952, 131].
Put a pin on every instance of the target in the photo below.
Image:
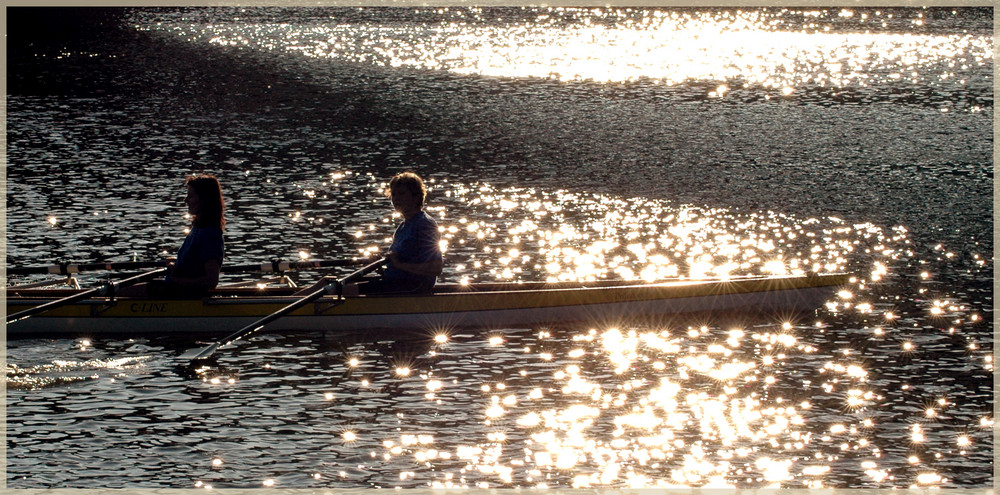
[207, 231]
[425, 218]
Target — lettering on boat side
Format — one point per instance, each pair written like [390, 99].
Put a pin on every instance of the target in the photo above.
[148, 307]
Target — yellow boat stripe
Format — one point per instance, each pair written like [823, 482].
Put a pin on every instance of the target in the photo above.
[438, 303]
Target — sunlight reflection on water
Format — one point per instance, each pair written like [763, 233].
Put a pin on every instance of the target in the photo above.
[884, 386]
[512, 234]
[757, 404]
[697, 406]
[779, 49]
[762, 403]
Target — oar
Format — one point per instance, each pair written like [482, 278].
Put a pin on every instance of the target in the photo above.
[267, 266]
[71, 268]
[278, 266]
[196, 354]
[104, 289]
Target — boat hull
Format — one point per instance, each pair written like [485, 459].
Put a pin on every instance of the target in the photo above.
[454, 307]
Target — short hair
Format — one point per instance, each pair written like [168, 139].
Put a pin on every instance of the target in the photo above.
[209, 193]
[411, 182]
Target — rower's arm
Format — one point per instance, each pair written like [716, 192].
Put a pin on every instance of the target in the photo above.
[209, 280]
[431, 268]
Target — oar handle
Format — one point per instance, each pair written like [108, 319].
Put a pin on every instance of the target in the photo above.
[103, 289]
[275, 266]
[279, 266]
[71, 268]
[312, 296]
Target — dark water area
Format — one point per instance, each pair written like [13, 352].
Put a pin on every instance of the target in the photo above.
[104, 120]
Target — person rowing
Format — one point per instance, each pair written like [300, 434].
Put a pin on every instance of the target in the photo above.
[415, 259]
[199, 259]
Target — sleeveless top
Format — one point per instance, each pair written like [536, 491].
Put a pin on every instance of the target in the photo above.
[200, 245]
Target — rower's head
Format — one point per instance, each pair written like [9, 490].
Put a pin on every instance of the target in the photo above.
[204, 200]
[407, 192]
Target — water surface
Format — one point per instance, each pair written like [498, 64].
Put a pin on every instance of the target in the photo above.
[562, 144]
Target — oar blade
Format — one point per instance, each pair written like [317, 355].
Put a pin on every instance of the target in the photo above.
[200, 353]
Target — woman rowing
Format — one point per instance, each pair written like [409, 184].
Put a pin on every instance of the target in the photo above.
[199, 260]
[415, 259]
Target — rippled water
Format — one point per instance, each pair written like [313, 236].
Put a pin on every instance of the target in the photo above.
[559, 144]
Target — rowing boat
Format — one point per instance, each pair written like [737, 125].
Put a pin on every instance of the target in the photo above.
[492, 305]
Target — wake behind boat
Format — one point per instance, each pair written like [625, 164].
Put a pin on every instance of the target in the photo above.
[495, 305]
